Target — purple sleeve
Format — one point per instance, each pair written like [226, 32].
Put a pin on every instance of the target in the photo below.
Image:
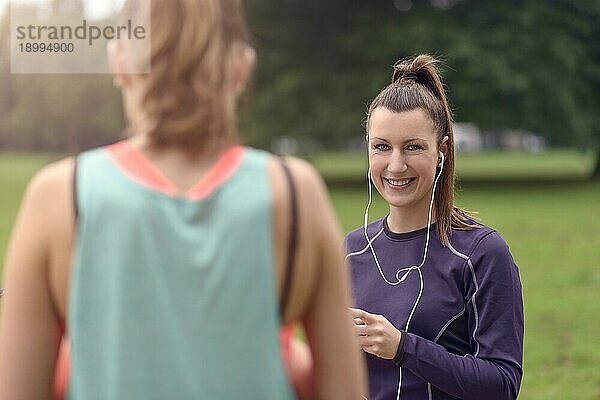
[495, 313]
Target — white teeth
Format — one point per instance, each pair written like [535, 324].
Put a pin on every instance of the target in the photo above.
[398, 182]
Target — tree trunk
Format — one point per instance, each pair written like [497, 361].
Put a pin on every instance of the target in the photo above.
[596, 170]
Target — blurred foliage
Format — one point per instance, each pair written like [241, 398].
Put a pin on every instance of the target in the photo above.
[520, 64]
[57, 113]
[515, 64]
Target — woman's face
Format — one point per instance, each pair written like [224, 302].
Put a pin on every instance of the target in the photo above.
[403, 155]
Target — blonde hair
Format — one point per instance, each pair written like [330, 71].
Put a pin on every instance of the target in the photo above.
[416, 84]
[185, 95]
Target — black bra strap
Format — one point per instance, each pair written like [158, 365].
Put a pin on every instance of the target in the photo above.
[291, 255]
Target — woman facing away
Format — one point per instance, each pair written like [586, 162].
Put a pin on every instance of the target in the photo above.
[439, 308]
[167, 255]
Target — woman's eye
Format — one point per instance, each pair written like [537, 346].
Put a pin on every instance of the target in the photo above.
[381, 147]
[414, 147]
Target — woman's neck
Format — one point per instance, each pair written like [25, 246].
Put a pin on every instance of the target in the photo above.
[401, 220]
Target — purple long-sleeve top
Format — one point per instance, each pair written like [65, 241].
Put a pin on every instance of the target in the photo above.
[465, 339]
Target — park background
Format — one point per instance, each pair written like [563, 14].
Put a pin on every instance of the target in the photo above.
[523, 79]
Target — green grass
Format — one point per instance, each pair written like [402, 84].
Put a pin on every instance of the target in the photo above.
[557, 164]
[553, 234]
[549, 216]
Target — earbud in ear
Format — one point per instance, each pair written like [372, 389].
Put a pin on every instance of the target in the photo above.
[441, 163]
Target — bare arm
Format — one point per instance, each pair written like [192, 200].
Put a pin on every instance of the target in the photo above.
[339, 364]
[29, 326]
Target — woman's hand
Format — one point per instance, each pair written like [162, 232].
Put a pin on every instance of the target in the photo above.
[376, 334]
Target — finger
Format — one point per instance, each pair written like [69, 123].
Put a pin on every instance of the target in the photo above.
[368, 341]
[363, 315]
[356, 312]
[360, 330]
[364, 343]
[358, 321]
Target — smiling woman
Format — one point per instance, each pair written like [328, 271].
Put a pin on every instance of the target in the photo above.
[403, 156]
[438, 295]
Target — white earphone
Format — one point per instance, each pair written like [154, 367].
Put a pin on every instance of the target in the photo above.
[405, 271]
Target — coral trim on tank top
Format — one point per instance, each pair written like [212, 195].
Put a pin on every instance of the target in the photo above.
[141, 170]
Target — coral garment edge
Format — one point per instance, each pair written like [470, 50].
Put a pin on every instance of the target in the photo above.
[141, 170]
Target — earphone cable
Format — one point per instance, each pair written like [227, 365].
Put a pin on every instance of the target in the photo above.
[407, 269]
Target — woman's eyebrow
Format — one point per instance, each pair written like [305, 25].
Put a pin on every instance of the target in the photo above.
[415, 139]
[381, 139]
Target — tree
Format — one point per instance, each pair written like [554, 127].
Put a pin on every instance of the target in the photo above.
[520, 64]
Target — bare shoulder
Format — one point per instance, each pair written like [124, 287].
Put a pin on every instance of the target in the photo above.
[307, 179]
[314, 200]
[312, 194]
[304, 170]
[54, 178]
[48, 198]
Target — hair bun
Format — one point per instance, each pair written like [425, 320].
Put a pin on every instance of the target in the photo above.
[401, 74]
[409, 76]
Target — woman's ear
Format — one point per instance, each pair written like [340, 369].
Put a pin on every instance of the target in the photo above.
[117, 64]
[243, 65]
[444, 146]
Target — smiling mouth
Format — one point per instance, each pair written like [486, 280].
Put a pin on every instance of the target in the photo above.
[399, 183]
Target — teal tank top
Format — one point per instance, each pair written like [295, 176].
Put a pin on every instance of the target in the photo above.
[174, 297]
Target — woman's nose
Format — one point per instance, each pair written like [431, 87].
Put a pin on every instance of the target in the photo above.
[397, 163]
